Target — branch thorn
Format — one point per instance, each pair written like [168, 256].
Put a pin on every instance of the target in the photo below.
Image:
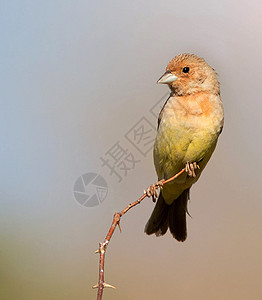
[106, 285]
[119, 226]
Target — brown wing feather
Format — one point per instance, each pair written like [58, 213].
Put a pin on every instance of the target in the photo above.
[161, 111]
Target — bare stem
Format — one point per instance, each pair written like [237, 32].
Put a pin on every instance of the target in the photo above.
[116, 222]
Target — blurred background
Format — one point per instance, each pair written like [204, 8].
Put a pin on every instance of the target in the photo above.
[78, 105]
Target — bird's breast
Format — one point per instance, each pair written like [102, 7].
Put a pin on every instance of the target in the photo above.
[189, 127]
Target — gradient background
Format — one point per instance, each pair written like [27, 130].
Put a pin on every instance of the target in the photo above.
[75, 77]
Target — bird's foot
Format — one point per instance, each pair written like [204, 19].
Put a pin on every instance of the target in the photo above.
[152, 190]
[190, 168]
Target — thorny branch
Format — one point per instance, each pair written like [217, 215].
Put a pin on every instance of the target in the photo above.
[116, 222]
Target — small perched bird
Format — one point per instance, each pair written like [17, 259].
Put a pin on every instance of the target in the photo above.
[188, 128]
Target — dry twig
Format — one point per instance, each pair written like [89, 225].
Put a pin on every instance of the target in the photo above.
[116, 221]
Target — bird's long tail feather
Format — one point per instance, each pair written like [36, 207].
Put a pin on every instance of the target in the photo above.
[169, 216]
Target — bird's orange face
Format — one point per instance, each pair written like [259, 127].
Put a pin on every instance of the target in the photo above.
[189, 74]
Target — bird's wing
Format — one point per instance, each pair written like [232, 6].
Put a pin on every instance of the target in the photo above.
[161, 111]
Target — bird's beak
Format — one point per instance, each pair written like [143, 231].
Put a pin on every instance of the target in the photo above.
[168, 77]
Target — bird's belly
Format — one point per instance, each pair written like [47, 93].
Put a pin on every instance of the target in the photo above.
[179, 142]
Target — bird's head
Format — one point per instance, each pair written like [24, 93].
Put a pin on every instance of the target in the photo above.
[189, 74]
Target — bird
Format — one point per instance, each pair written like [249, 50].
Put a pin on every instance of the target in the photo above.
[189, 125]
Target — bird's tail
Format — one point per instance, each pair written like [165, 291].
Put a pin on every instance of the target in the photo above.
[172, 216]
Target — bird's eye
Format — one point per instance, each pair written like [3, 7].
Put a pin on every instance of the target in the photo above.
[185, 69]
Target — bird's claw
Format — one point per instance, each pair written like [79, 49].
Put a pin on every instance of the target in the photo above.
[152, 190]
[190, 168]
